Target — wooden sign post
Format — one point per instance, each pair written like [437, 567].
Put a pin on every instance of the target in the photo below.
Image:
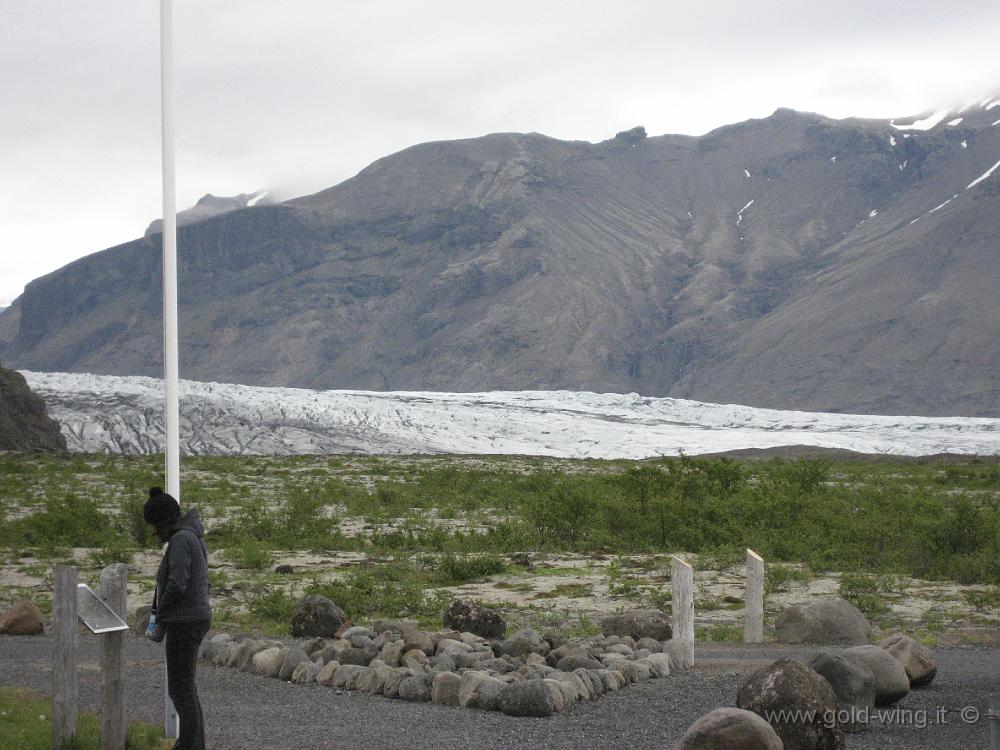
[105, 616]
[64, 685]
[114, 580]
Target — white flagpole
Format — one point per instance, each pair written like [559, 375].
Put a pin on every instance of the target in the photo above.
[170, 369]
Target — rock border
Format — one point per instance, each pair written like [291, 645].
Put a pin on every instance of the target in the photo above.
[523, 675]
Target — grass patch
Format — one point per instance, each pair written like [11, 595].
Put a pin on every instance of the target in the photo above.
[26, 724]
[571, 590]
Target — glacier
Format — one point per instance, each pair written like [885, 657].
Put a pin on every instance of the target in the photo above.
[115, 414]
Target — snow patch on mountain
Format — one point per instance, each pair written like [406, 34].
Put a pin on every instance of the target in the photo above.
[984, 176]
[109, 414]
[926, 124]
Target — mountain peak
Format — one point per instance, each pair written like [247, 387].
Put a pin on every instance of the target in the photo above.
[212, 205]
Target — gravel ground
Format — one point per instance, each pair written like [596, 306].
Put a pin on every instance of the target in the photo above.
[246, 712]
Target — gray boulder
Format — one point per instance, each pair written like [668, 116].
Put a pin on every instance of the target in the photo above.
[785, 694]
[530, 698]
[638, 623]
[414, 659]
[293, 657]
[325, 675]
[730, 729]
[267, 663]
[891, 682]
[316, 616]
[391, 653]
[634, 671]
[853, 684]
[213, 645]
[653, 645]
[358, 630]
[248, 650]
[444, 688]
[488, 694]
[354, 655]
[469, 617]
[525, 642]
[416, 689]
[834, 622]
[391, 687]
[659, 664]
[305, 673]
[344, 672]
[574, 661]
[419, 640]
[916, 658]
[468, 688]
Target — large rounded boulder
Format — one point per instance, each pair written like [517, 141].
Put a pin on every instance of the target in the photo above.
[891, 682]
[638, 623]
[525, 642]
[730, 729]
[317, 616]
[834, 622]
[24, 618]
[853, 684]
[469, 617]
[916, 658]
[798, 703]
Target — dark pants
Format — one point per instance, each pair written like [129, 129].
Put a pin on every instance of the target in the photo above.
[183, 641]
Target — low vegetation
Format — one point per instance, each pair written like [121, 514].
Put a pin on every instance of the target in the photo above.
[26, 724]
[424, 523]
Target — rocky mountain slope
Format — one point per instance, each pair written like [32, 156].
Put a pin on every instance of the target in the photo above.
[24, 421]
[793, 262]
[108, 414]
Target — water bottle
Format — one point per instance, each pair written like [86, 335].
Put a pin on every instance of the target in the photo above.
[151, 628]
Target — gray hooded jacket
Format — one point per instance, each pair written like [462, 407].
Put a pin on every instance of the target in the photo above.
[182, 579]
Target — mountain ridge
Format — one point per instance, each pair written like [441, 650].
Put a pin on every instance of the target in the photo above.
[792, 261]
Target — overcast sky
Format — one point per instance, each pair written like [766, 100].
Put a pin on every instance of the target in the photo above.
[301, 94]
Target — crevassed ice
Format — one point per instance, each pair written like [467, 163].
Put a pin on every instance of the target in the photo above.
[109, 414]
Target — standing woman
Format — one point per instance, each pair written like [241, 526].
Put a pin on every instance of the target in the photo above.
[181, 611]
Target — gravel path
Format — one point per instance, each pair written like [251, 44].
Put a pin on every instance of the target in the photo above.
[250, 713]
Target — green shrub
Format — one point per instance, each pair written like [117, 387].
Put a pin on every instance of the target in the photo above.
[249, 553]
[66, 520]
[777, 577]
[272, 607]
[563, 517]
[115, 550]
[452, 569]
[866, 592]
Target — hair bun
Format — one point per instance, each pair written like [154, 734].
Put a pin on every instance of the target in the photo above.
[155, 491]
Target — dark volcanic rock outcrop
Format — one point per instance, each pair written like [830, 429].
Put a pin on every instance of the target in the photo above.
[792, 262]
[24, 422]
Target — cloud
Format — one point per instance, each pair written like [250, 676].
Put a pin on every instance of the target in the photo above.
[303, 94]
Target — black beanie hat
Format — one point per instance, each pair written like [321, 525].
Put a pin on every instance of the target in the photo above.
[161, 508]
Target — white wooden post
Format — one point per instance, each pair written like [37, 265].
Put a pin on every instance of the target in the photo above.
[753, 625]
[114, 588]
[682, 595]
[64, 675]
